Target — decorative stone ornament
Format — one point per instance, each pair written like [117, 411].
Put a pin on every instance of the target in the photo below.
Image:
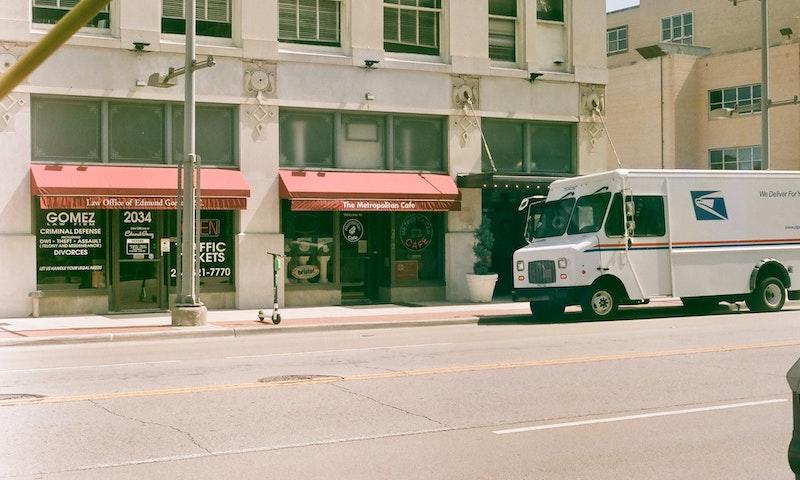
[593, 110]
[466, 97]
[260, 81]
[10, 104]
[466, 91]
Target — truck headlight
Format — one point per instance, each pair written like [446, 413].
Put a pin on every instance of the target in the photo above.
[520, 265]
[562, 263]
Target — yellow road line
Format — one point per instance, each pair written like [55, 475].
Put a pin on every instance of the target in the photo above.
[399, 374]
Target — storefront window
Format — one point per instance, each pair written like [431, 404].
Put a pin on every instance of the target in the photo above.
[103, 131]
[216, 248]
[214, 138]
[418, 144]
[419, 251]
[530, 147]
[308, 246]
[137, 133]
[362, 141]
[306, 139]
[66, 130]
[71, 249]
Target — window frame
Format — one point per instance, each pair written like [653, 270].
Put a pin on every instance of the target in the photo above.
[397, 45]
[738, 152]
[339, 135]
[528, 147]
[682, 38]
[755, 106]
[556, 18]
[515, 21]
[309, 41]
[107, 13]
[617, 41]
[104, 129]
[174, 25]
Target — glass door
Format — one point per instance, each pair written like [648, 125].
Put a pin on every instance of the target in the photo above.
[364, 237]
[138, 279]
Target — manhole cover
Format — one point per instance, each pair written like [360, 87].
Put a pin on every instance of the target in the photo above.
[297, 378]
[19, 396]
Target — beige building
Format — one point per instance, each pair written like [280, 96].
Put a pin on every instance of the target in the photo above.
[345, 134]
[667, 103]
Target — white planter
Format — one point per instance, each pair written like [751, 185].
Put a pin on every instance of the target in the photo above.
[481, 287]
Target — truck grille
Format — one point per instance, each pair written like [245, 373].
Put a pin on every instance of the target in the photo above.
[542, 271]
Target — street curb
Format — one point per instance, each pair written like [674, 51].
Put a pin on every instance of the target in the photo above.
[223, 332]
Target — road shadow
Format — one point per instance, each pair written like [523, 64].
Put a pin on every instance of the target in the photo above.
[642, 312]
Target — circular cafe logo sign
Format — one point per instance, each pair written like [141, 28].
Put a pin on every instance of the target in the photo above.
[416, 232]
[353, 230]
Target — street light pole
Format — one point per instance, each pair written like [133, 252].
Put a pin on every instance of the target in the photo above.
[764, 85]
[188, 310]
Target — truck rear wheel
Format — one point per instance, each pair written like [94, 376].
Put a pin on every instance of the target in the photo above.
[769, 296]
[601, 303]
[544, 310]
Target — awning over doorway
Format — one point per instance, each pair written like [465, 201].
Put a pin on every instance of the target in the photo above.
[121, 187]
[369, 191]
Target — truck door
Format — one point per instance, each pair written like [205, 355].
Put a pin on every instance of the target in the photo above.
[644, 261]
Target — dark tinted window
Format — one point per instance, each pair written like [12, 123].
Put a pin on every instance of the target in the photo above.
[648, 216]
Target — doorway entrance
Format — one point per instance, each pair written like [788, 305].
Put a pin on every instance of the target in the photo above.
[138, 278]
[365, 254]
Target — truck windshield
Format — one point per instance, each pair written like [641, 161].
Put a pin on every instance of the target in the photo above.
[589, 212]
[551, 218]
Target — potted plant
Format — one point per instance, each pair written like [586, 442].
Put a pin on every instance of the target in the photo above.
[481, 282]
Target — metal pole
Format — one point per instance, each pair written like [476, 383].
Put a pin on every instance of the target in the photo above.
[60, 33]
[764, 86]
[187, 296]
[189, 310]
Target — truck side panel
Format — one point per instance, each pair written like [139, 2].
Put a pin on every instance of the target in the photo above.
[723, 227]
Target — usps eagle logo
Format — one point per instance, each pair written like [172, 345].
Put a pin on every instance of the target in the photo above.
[709, 205]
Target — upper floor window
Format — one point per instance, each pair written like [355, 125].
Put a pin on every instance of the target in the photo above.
[109, 131]
[552, 10]
[529, 147]
[411, 26]
[503, 30]
[51, 11]
[310, 21]
[746, 98]
[744, 158]
[212, 17]
[678, 29]
[617, 39]
[360, 141]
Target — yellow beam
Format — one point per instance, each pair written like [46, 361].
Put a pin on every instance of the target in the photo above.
[79, 16]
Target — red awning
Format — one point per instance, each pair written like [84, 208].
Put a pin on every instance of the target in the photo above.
[369, 191]
[117, 187]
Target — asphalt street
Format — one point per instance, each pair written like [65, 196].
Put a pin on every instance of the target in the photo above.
[655, 395]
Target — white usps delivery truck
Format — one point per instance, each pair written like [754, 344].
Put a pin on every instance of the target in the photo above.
[625, 236]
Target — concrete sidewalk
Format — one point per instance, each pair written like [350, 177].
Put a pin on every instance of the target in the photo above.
[233, 323]
[221, 323]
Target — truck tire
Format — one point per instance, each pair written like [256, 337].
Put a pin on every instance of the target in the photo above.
[545, 310]
[602, 302]
[769, 296]
[700, 304]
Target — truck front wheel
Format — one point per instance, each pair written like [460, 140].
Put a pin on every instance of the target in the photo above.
[601, 303]
[769, 296]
